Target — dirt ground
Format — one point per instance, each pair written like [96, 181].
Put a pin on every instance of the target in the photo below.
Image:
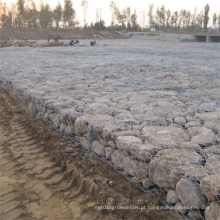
[39, 180]
[42, 34]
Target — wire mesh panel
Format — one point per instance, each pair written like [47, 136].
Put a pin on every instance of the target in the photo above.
[156, 120]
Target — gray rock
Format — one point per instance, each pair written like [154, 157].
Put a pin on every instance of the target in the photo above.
[213, 125]
[195, 215]
[203, 136]
[211, 151]
[144, 152]
[194, 172]
[98, 148]
[172, 197]
[126, 142]
[209, 116]
[211, 186]
[135, 180]
[179, 157]
[212, 212]
[180, 121]
[108, 152]
[117, 158]
[212, 164]
[179, 207]
[141, 173]
[111, 144]
[190, 194]
[161, 174]
[165, 136]
[124, 162]
[146, 183]
[192, 124]
[130, 166]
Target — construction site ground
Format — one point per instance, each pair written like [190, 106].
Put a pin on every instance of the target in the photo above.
[39, 180]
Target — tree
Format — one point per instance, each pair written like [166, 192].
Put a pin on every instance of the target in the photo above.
[206, 17]
[68, 13]
[113, 7]
[134, 23]
[168, 19]
[31, 14]
[193, 20]
[21, 12]
[219, 23]
[57, 14]
[45, 16]
[199, 21]
[163, 15]
[85, 7]
[150, 15]
[214, 19]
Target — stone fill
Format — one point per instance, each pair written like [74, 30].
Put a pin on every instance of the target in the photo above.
[151, 109]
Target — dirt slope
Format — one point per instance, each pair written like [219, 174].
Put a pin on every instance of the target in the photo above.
[42, 34]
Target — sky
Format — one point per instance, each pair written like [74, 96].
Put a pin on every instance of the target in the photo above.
[139, 5]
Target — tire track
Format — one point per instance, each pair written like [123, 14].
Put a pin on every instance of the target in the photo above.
[34, 187]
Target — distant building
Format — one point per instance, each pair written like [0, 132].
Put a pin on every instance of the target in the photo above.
[152, 29]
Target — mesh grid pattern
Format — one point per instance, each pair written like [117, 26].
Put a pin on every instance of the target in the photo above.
[161, 131]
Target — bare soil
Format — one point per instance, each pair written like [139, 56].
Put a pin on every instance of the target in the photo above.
[41, 181]
[42, 34]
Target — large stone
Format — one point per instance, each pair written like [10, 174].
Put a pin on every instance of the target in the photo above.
[117, 158]
[135, 180]
[190, 194]
[179, 207]
[209, 116]
[211, 187]
[130, 166]
[161, 174]
[212, 212]
[86, 122]
[165, 170]
[141, 173]
[146, 183]
[195, 172]
[165, 136]
[203, 136]
[98, 148]
[213, 125]
[178, 157]
[144, 152]
[85, 143]
[195, 215]
[180, 121]
[108, 152]
[210, 151]
[124, 162]
[192, 124]
[190, 146]
[172, 197]
[111, 144]
[127, 142]
[162, 214]
[213, 164]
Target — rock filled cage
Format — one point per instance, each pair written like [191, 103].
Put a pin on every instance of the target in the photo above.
[174, 155]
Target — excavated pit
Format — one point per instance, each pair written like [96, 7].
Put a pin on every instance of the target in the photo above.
[149, 109]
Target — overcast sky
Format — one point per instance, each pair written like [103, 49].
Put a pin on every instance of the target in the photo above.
[139, 5]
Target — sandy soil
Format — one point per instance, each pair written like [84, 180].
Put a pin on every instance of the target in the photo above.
[38, 181]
